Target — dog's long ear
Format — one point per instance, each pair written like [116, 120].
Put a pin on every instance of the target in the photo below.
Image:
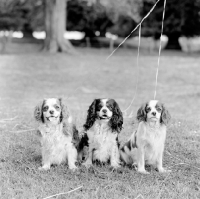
[64, 111]
[141, 113]
[165, 115]
[116, 121]
[38, 114]
[91, 116]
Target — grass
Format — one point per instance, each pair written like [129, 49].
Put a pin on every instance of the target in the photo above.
[26, 78]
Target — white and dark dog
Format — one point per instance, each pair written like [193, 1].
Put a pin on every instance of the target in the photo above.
[103, 124]
[147, 142]
[56, 133]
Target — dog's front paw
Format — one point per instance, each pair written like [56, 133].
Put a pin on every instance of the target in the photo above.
[44, 167]
[115, 166]
[87, 164]
[73, 168]
[162, 170]
[143, 171]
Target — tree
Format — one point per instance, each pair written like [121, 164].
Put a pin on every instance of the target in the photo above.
[32, 12]
[118, 17]
[181, 19]
[10, 20]
[19, 15]
[117, 8]
[55, 26]
[88, 17]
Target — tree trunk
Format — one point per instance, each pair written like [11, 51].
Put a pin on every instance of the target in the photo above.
[55, 26]
[173, 42]
[27, 31]
[5, 40]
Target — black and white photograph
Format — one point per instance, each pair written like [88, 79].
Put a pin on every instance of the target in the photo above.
[99, 99]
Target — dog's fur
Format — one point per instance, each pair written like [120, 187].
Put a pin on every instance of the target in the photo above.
[103, 124]
[56, 133]
[147, 142]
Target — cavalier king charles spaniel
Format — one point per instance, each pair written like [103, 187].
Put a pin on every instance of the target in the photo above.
[56, 134]
[147, 142]
[103, 124]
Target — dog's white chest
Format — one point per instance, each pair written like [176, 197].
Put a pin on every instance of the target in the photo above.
[155, 139]
[100, 135]
[53, 135]
[102, 140]
[155, 135]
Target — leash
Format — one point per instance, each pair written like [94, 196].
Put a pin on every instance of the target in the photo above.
[160, 47]
[159, 55]
[138, 54]
[133, 30]
[136, 87]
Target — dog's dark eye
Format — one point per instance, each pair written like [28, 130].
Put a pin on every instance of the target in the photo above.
[158, 109]
[45, 108]
[110, 107]
[148, 109]
[98, 108]
[57, 107]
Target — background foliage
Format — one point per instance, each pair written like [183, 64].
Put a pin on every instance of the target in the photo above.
[116, 16]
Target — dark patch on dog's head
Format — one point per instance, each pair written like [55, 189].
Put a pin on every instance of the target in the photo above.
[142, 112]
[92, 114]
[64, 110]
[116, 121]
[38, 112]
[165, 115]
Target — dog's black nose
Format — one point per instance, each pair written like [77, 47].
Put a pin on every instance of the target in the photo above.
[154, 113]
[104, 111]
[51, 112]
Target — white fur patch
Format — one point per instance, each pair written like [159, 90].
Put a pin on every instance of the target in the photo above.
[70, 119]
[102, 142]
[56, 147]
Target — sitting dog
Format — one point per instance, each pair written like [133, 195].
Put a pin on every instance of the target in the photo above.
[147, 142]
[103, 124]
[56, 134]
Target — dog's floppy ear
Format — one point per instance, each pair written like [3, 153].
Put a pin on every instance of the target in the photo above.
[38, 114]
[165, 115]
[141, 113]
[91, 116]
[116, 121]
[64, 111]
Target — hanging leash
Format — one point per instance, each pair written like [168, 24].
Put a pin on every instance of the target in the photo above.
[138, 54]
[136, 87]
[133, 30]
[160, 47]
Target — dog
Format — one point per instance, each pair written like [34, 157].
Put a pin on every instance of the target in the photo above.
[103, 124]
[147, 142]
[56, 134]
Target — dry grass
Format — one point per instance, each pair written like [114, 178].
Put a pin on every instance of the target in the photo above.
[25, 79]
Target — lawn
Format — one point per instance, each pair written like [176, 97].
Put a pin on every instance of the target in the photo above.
[27, 77]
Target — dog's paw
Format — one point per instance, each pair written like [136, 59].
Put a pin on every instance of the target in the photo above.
[73, 168]
[143, 171]
[115, 166]
[44, 168]
[87, 164]
[162, 170]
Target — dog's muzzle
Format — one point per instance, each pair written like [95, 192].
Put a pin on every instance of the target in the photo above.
[51, 118]
[104, 117]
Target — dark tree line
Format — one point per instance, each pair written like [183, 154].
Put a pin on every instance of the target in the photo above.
[117, 16]
[182, 18]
